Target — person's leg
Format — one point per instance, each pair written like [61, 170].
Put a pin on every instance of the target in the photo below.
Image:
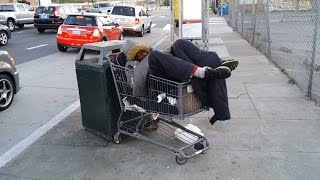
[168, 66]
[186, 50]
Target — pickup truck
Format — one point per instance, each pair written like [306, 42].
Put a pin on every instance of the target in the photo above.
[101, 7]
[16, 14]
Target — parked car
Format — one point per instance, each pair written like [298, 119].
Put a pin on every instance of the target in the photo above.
[51, 17]
[16, 14]
[132, 18]
[5, 35]
[79, 29]
[101, 7]
[9, 80]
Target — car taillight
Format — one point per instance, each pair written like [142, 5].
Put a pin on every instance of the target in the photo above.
[96, 33]
[10, 58]
[137, 20]
[59, 30]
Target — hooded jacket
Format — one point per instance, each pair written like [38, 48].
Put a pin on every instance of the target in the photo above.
[138, 77]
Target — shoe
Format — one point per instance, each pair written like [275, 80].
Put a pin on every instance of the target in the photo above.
[221, 72]
[231, 64]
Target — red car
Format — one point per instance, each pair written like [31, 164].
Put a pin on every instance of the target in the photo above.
[79, 29]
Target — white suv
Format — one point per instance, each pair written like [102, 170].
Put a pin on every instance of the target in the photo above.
[132, 18]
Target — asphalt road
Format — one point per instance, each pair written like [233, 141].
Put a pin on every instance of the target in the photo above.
[28, 44]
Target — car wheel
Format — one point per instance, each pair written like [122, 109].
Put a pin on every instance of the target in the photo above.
[121, 36]
[104, 39]
[62, 48]
[20, 25]
[41, 30]
[3, 38]
[149, 29]
[140, 34]
[6, 91]
[11, 24]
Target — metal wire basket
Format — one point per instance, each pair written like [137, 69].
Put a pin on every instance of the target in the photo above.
[165, 101]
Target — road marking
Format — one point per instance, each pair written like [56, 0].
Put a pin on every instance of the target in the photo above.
[159, 42]
[26, 142]
[167, 27]
[153, 25]
[34, 47]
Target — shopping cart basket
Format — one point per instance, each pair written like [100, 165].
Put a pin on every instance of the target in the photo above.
[166, 101]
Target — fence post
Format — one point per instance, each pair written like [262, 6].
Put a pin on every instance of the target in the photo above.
[314, 48]
[254, 11]
[205, 24]
[243, 12]
[172, 21]
[236, 10]
[268, 30]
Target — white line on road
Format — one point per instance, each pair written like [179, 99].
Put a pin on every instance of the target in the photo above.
[25, 143]
[153, 25]
[167, 27]
[159, 42]
[34, 47]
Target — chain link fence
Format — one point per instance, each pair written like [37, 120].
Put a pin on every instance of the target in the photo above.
[287, 32]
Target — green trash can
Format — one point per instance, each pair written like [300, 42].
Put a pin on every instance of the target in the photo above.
[98, 97]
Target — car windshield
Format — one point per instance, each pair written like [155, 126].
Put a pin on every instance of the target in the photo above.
[80, 20]
[45, 10]
[122, 10]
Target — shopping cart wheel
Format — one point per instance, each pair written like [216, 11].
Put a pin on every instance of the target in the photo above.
[117, 138]
[182, 160]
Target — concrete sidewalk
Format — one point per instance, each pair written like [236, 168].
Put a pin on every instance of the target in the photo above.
[274, 133]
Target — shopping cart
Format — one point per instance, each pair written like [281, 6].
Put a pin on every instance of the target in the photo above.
[166, 101]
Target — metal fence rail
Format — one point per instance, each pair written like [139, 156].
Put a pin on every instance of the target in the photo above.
[287, 32]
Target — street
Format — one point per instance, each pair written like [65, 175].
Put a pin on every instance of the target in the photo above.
[48, 78]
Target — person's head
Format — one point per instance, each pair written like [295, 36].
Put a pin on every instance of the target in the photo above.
[135, 51]
[141, 55]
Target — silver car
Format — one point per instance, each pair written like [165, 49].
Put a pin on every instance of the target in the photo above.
[132, 18]
[9, 80]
